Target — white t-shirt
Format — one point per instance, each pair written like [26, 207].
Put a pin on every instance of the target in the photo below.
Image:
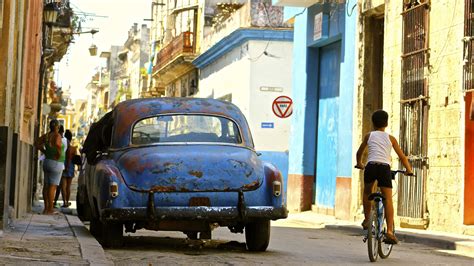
[64, 141]
[380, 147]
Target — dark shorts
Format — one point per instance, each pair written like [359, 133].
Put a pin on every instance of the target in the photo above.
[379, 172]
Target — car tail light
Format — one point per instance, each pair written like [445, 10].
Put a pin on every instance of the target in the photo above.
[276, 188]
[114, 189]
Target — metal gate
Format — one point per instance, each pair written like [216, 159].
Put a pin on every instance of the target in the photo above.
[414, 112]
[468, 46]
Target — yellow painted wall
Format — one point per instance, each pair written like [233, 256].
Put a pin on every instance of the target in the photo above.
[445, 126]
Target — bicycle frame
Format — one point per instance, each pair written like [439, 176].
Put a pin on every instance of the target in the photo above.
[376, 232]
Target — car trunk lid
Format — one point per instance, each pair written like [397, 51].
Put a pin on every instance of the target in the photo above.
[198, 168]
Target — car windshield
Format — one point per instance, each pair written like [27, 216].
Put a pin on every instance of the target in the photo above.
[185, 128]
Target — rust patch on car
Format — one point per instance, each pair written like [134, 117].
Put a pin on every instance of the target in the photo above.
[197, 174]
[252, 185]
[163, 189]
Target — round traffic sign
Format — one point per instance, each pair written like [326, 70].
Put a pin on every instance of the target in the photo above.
[283, 106]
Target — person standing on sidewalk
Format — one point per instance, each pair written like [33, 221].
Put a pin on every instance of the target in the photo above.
[68, 173]
[52, 146]
[65, 144]
[380, 145]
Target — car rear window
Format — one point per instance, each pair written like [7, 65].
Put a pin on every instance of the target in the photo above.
[185, 128]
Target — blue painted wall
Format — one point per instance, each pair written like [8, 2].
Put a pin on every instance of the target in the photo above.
[303, 123]
[303, 142]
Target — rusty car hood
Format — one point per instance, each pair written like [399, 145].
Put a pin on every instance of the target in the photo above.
[187, 168]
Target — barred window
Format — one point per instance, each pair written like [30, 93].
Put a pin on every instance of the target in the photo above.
[468, 46]
[414, 107]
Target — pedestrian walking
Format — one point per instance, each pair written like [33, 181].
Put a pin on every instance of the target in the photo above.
[69, 170]
[51, 145]
[58, 191]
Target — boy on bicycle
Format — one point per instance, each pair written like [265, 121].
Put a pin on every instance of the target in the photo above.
[380, 145]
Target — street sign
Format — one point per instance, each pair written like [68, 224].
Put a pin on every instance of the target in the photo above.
[267, 125]
[283, 106]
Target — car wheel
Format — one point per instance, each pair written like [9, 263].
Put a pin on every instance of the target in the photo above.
[257, 235]
[96, 227]
[84, 211]
[112, 234]
[193, 235]
[205, 234]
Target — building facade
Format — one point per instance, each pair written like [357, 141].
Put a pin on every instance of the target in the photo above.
[176, 31]
[320, 159]
[27, 51]
[420, 69]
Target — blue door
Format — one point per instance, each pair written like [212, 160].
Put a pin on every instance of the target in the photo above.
[328, 106]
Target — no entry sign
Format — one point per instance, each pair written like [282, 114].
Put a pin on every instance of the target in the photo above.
[282, 106]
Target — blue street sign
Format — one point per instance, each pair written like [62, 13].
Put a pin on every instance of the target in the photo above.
[268, 125]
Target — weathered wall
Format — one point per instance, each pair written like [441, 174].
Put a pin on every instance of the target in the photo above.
[20, 53]
[444, 193]
[445, 145]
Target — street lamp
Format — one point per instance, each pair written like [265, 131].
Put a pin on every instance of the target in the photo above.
[93, 47]
[93, 50]
[50, 13]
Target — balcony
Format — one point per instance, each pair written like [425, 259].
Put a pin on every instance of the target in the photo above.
[175, 58]
[253, 14]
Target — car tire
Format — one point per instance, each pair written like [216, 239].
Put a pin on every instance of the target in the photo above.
[205, 235]
[84, 211]
[96, 227]
[112, 235]
[193, 235]
[257, 235]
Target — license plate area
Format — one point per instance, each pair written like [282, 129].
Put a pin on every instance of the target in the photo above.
[200, 201]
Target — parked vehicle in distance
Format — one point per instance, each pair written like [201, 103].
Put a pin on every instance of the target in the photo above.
[178, 164]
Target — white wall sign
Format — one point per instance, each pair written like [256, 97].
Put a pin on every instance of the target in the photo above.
[272, 89]
[318, 26]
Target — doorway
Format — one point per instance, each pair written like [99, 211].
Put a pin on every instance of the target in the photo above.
[372, 75]
[468, 159]
[327, 131]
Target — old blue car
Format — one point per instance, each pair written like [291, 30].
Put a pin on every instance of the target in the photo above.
[178, 164]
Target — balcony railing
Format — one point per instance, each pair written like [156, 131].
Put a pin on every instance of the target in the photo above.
[253, 14]
[180, 45]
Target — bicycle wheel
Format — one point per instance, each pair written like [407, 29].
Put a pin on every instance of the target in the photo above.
[384, 248]
[372, 233]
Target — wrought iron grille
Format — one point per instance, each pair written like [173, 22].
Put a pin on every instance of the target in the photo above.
[414, 108]
[468, 46]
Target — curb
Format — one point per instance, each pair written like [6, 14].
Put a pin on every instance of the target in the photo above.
[429, 240]
[91, 250]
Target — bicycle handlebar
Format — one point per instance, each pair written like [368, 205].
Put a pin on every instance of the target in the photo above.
[394, 172]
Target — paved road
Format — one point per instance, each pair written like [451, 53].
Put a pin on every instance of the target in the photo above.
[295, 246]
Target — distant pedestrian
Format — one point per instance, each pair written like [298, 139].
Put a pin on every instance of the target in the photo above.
[69, 170]
[52, 146]
[58, 191]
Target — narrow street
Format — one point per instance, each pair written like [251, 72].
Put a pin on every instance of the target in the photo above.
[182, 114]
[288, 246]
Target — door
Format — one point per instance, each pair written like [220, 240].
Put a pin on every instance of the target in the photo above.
[468, 159]
[328, 106]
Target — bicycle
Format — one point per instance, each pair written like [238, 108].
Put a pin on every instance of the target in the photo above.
[377, 227]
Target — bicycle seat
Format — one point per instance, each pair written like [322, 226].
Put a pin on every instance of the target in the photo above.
[376, 194]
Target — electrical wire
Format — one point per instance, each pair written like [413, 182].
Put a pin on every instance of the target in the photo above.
[269, 24]
[352, 9]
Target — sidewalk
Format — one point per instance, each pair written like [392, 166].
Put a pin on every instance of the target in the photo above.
[49, 239]
[450, 243]
[63, 239]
